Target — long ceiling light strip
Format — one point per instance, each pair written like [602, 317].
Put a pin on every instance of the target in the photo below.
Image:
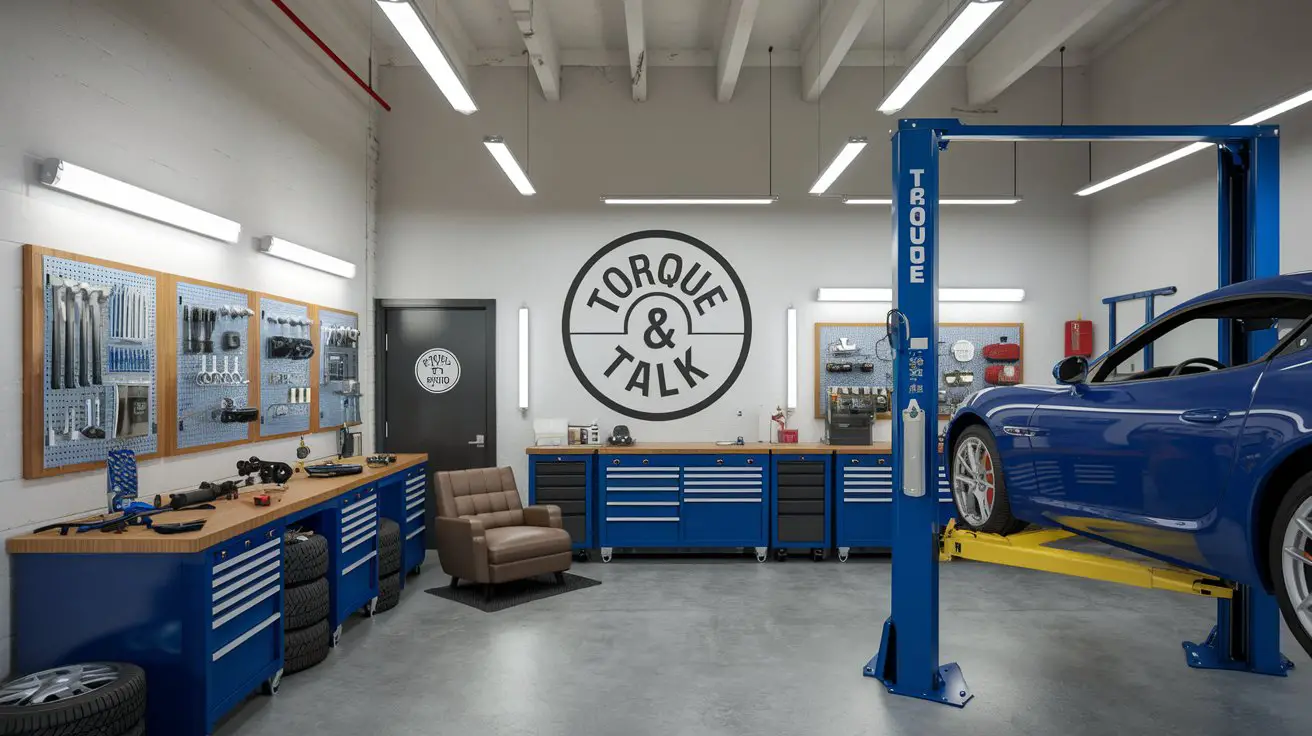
[846, 155]
[421, 39]
[691, 200]
[960, 26]
[885, 295]
[983, 201]
[289, 251]
[73, 179]
[1192, 148]
[496, 146]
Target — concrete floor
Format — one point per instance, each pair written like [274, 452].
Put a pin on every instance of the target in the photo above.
[703, 646]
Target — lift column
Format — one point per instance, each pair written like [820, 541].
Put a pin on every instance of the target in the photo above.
[907, 661]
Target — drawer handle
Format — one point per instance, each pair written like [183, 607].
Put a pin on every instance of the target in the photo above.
[750, 461]
[646, 462]
[719, 461]
[854, 461]
[559, 459]
[268, 534]
[223, 555]
[615, 461]
[248, 544]
[881, 461]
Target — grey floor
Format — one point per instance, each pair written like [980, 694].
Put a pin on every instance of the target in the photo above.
[735, 647]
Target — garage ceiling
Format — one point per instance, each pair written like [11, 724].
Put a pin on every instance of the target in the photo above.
[725, 35]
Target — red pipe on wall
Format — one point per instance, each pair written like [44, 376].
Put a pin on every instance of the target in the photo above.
[315, 37]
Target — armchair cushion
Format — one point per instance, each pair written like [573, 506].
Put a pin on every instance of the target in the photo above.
[507, 544]
[546, 516]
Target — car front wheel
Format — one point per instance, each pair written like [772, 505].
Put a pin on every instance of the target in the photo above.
[978, 487]
[1291, 560]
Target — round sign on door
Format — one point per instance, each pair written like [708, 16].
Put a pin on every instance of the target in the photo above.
[437, 370]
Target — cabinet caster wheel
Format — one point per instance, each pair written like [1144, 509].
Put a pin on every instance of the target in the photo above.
[762, 553]
[270, 686]
[337, 637]
[842, 554]
[818, 555]
[371, 607]
[417, 569]
[605, 554]
[583, 555]
[781, 555]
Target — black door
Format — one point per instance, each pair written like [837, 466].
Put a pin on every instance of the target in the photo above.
[437, 391]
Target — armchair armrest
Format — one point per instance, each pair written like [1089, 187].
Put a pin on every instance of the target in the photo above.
[544, 515]
[462, 548]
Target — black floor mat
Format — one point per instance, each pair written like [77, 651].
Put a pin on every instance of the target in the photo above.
[509, 595]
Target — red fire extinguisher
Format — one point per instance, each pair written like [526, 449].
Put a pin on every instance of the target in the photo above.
[1079, 338]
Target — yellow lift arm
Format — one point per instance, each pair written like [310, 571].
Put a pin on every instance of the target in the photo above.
[1029, 549]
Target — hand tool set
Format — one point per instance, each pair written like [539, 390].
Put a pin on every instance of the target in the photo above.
[339, 376]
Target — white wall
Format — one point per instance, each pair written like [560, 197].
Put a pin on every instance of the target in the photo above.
[202, 101]
[451, 226]
[1202, 61]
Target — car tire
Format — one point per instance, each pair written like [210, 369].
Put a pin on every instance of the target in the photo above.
[305, 604]
[112, 707]
[389, 592]
[306, 558]
[1298, 500]
[389, 547]
[304, 648]
[999, 519]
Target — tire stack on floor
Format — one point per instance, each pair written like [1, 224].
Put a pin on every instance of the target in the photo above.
[389, 565]
[305, 605]
[89, 699]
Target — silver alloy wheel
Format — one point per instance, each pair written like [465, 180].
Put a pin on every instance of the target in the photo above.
[61, 683]
[1296, 564]
[973, 481]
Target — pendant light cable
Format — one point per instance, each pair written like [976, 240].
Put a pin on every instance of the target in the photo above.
[1062, 83]
[769, 117]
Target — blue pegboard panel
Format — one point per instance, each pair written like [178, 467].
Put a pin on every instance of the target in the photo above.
[871, 347]
[206, 380]
[66, 413]
[281, 411]
[339, 369]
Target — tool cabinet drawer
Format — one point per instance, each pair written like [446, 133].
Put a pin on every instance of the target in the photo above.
[577, 526]
[626, 530]
[556, 495]
[355, 573]
[815, 492]
[805, 528]
[656, 509]
[560, 467]
[816, 506]
[245, 608]
[637, 471]
[567, 508]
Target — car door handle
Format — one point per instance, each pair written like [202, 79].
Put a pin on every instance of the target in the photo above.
[1205, 416]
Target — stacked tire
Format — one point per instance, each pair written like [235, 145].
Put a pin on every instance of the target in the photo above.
[389, 565]
[306, 636]
[89, 699]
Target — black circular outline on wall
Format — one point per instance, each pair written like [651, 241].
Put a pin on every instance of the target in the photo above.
[647, 415]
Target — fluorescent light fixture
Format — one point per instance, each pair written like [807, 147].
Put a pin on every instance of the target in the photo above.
[1192, 148]
[523, 358]
[945, 200]
[981, 295]
[845, 157]
[496, 145]
[286, 250]
[679, 200]
[959, 27]
[831, 294]
[64, 176]
[791, 327]
[419, 36]
[880, 294]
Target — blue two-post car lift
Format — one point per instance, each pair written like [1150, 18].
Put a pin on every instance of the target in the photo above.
[1247, 634]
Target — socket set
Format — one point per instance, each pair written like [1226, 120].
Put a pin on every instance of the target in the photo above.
[129, 360]
[339, 368]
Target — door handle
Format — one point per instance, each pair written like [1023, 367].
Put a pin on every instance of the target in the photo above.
[1205, 416]
[478, 440]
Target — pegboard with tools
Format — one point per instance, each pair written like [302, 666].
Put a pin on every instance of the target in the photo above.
[99, 362]
[213, 365]
[286, 349]
[972, 356]
[339, 368]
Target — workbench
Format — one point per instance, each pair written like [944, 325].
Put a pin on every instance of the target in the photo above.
[201, 611]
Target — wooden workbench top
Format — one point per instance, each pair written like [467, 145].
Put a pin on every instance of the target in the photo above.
[229, 519]
[562, 449]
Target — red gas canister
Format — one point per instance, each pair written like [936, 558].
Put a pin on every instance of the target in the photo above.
[1079, 338]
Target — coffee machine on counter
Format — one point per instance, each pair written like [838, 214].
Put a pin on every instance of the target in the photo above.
[850, 416]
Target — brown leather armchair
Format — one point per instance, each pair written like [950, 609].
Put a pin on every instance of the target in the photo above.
[485, 535]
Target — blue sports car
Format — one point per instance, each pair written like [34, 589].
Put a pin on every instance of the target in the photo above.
[1201, 464]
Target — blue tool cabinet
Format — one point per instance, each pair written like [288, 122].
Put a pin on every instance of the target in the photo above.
[207, 626]
[403, 498]
[801, 487]
[863, 501]
[684, 501]
[567, 480]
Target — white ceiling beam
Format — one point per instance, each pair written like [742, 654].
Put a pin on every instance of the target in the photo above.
[829, 39]
[942, 11]
[543, 54]
[733, 46]
[633, 21]
[1036, 31]
[783, 58]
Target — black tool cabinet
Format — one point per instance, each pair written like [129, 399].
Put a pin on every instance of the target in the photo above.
[801, 488]
[567, 480]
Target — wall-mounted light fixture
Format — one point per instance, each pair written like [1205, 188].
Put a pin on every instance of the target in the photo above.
[523, 358]
[496, 145]
[884, 295]
[680, 200]
[790, 325]
[942, 200]
[846, 155]
[73, 179]
[963, 23]
[289, 251]
[419, 36]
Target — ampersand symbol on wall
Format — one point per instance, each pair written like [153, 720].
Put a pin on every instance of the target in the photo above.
[654, 336]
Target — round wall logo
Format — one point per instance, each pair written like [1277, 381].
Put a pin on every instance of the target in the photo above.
[437, 370]
[657, 325]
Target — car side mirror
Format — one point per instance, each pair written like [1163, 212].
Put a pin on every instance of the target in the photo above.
[1071, 370]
